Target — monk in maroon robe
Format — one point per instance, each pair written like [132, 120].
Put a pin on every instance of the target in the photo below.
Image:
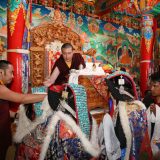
[60, 72]
[6, 95]
[67, 61]
[5, 132]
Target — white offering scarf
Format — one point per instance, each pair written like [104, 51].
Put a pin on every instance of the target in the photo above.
[156, 132]
[107, 134]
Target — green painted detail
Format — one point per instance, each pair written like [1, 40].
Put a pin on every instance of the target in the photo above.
[13, 4]
[155, 10]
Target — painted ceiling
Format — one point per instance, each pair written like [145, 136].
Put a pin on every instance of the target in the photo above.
[123, 12]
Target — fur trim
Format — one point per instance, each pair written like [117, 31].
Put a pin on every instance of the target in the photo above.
[139, 103]
[26, 126]
[23, 126]
[50, 131]
[126, 127]
[89, 146]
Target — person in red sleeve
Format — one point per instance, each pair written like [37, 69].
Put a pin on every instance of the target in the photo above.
[6, 95]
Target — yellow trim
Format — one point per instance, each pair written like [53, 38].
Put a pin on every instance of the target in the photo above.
[68, 64]
[1, 82]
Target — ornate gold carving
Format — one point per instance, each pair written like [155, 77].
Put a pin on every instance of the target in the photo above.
[42, 35]
[45, 34]
[37, 68]
[34, 49]
[148, 44]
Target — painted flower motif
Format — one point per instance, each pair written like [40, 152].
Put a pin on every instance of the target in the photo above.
[148, 33]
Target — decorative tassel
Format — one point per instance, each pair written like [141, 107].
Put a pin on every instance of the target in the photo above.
[111, 107]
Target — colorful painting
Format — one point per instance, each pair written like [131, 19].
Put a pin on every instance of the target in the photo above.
[3, 29]
[157, 51]
[103, 5]
[125, 55]
[105, 37]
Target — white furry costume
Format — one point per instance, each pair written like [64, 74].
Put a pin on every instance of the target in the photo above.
[112, 145]
[26, 127]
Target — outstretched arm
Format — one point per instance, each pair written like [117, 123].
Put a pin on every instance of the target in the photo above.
[7, 94]
[52, 78]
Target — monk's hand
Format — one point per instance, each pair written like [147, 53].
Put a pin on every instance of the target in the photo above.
[47, 82]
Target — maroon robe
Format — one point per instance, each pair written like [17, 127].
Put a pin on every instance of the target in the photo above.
[77, 59]
[5, 128]
[56, 88]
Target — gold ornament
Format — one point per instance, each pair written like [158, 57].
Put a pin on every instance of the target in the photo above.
[13, 17]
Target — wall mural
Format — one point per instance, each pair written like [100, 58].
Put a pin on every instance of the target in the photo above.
[114, 44]
[156, 57]
[3, 29]
[106, 38]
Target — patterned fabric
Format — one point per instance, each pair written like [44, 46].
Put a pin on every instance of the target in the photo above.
[133, 121]
[81, 108]
[138, 125]
[31, 144]
[66, 147]
[140, 148]
[100, 85]
[64, 144]
[145, 150]
[37, 106]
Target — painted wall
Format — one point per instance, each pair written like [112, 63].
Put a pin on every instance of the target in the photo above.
[115, 44]
[109, 40]
[156, 58]
[3, 29]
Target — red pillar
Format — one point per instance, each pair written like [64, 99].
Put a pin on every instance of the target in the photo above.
[16, 24]
[146, 51]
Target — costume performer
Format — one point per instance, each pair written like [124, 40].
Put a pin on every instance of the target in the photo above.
[64, 131]
[125, 134]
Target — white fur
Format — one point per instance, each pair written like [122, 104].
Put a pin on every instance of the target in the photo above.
[26, 126]
[47, 139]
[139, 103]
[91, 147]
[125, 123]
[126, 127]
